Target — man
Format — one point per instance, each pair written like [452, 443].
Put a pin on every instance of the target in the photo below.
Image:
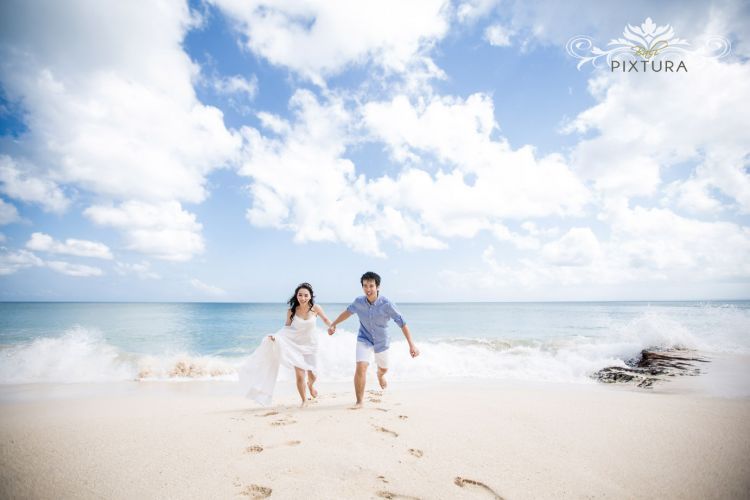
[373, 311]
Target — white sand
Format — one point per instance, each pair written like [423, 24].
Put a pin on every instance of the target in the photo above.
[522, 440]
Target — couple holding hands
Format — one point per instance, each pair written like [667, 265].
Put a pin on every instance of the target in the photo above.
[296, 345]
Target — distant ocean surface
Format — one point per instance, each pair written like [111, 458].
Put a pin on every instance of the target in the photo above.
[565, 342]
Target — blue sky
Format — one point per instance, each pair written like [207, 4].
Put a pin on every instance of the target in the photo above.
[226, 150]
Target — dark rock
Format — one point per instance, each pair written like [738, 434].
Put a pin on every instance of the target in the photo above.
[650, 367]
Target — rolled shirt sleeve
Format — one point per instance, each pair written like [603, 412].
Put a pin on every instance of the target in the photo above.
[395, 315]
[352, 308]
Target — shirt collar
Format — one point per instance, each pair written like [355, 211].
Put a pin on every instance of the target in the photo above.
[378, 300]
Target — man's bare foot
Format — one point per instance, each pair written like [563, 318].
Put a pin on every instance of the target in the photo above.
[357, 406]
[383, 382]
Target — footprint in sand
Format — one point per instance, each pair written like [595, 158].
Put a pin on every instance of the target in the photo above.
[417, 453]
[381, 409]
[293, 443]
[256, 448]
[256, 491]
[387, 431]
[374, 400]
[283, 421]
[390, 494]
[403, 417]
[268, 414]
[382, 478]
[463, 482]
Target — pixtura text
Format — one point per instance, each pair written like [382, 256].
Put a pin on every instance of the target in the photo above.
[645, 66]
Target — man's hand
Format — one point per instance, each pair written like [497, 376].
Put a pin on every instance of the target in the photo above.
[332, 329]
[413, 351]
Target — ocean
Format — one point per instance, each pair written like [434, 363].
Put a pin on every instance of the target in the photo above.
[184, 342]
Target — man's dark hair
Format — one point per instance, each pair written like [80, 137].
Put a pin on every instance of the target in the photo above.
[369, 275]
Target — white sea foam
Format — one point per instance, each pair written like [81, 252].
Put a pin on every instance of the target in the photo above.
[79, 355]
[83, 355]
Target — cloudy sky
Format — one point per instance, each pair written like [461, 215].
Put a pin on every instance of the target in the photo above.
[226, 150]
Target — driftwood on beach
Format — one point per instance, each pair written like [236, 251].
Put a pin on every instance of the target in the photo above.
[651, 367]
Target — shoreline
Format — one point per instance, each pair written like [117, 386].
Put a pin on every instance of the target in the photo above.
[421, 439]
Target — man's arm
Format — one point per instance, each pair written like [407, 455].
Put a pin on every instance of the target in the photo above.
[412, 347]
[342, 317]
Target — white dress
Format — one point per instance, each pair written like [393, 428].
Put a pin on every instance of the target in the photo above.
[296, 345]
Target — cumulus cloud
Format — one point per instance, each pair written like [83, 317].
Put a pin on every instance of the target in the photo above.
[110, 113]
[82, 248]
[544, 23]
[460, 135]
[21, 183]
[320, 38]
[302, 183]
[635, 141]
[77, 270]
[645, 245]
[12, 261]
[578, 247]
[236, 84]
[8, 213]
[163, 230]
[142, 270]
[205, 288]
[457, 179]
[498, 35]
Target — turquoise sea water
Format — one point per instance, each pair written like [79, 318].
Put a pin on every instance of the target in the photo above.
[83, 342]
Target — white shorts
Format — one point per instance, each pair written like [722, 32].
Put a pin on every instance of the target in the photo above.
[365, 352]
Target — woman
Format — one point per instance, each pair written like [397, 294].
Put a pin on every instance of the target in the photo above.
[295, 346]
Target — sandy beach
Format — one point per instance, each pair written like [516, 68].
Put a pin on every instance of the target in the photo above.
[454, 439]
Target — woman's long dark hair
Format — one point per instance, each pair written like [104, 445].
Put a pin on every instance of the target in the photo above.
[294, 303]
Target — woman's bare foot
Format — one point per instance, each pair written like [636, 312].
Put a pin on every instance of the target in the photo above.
[357, 406]
[313, 390]
[303, 404]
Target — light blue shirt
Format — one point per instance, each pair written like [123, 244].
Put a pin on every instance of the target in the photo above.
[373, 321]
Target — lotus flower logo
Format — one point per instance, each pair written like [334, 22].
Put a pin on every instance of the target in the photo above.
[642, 44]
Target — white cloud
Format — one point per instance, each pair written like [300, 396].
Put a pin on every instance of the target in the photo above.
[498, 35]
[578, 247]
[318, 38]
[142, 270]
[649, 122]
[236, 84]
[460, 135]
[475, 181]
[45, 243]
[205, 288]
[692, 195]
[646, 246]
[110, 113]
[8, 213]
[163, 230]
[12, 261]
[302, 183]
[21, 184]
[3, 238]
[471, 10]
[77, 270]
[555, 22]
